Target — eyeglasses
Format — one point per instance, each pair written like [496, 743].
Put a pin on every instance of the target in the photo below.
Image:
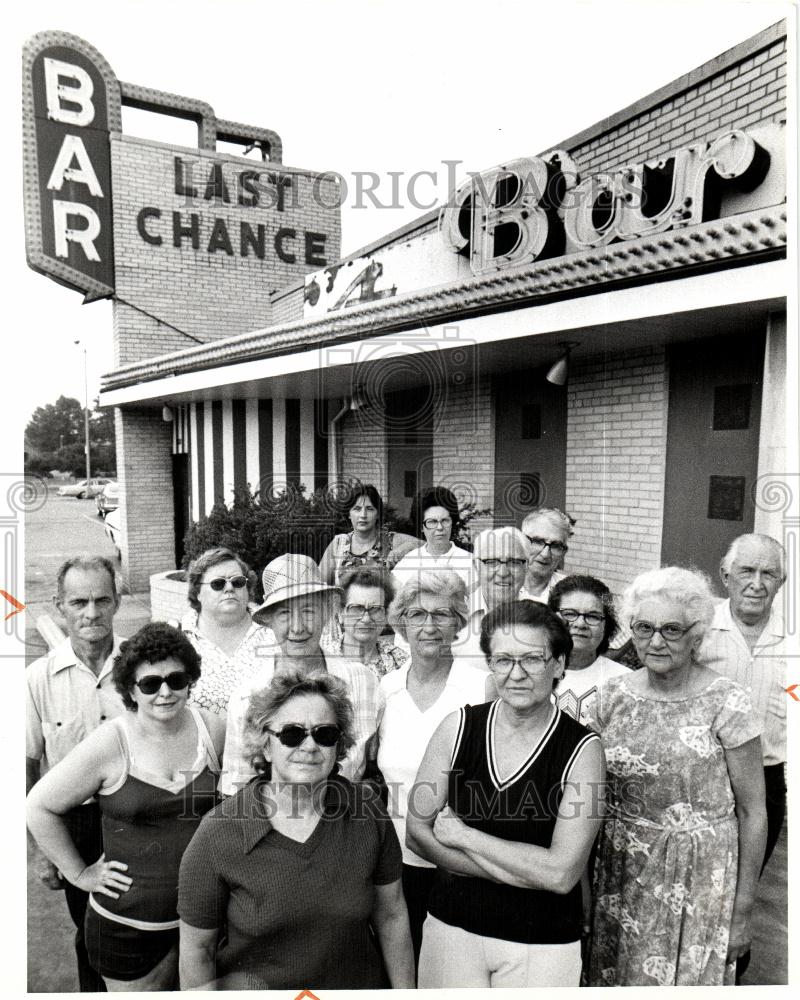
[293, 735]
[670, 632]
[237, 582]
[151, 683]
[531, 663]
[419, 616]
[497, 563]
[433, 522]
[557, 548]
[590, 617]
[374, 611]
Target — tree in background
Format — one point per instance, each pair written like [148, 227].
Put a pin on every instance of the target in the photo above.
[54, 439]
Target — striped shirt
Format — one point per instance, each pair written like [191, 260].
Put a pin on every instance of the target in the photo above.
[762, 673]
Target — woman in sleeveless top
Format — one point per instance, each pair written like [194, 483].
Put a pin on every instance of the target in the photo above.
[154, 773]
[506, 808]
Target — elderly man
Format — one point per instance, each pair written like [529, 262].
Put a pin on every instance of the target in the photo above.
[70, 693]
[548, 530]
[297, 605]
[500, 558]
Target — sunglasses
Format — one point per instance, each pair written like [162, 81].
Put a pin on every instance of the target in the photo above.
[237, 582]
[151, 684]
[292, 736]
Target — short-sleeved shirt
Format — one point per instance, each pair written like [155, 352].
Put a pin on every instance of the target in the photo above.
[576, 687]
[295, 913]
[762, 673]
[66, 701]
[362, 688]
[420, 560]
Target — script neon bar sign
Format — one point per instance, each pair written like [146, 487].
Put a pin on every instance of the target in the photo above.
[71, 101]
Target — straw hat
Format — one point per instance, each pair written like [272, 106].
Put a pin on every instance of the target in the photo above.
[289, 576]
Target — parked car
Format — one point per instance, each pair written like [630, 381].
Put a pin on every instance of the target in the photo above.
[113, 530]
[85, 488]
[108, 499]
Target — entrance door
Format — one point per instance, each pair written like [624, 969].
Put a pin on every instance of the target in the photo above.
[181, 501]
[712, 448]
[409, 443]
[530, 445]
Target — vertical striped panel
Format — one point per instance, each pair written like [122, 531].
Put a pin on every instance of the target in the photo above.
[239, 432]
[196, 456]
[293, 441]
[307, 444]
[252, 473]
[320, 444]
[226, 429]
[219, 472]
[190, 491]
[278, 443]
[208, 453]
[265, 444]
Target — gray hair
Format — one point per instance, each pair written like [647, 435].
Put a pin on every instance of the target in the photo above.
[767, 540]
[87, 564]
[285, 685]
[442, 583]
[688, 588]
[558, 517]
[489, 542]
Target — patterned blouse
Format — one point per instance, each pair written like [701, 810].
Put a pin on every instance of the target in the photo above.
[387, 550]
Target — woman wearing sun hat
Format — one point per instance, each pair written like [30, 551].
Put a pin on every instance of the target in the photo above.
[297, 604]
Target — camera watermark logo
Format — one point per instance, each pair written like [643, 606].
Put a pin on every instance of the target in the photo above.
[20, 494]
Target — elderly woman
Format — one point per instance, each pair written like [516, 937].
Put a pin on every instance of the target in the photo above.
[548, 530]
[154, 772]
[220, 628]
[681, 849]
[439, 521]
[586, 606]
[368, 544]
[507, 809]
[283, 883]
[367, 591]
[428, 612]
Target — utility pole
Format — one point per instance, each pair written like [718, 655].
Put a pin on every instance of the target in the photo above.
[86, 413]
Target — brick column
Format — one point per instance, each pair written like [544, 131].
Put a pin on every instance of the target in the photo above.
[362, 436]
[144, 466]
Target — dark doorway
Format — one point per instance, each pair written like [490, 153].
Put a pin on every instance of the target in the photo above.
[182, 501]
[409, 443]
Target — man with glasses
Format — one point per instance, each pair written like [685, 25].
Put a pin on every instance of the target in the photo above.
[746, 642]
[548, 530]
[500, 558]
[297, 605]
[70, 693]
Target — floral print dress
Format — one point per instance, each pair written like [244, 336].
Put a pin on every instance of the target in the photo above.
[665, 877]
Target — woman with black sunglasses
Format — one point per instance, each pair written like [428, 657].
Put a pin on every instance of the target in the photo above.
[220, 627]
[154, 772]
[300, 868]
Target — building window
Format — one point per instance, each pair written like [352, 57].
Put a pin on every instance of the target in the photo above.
[409, 484]
[531, 421]
[732, 407]
[726, 498]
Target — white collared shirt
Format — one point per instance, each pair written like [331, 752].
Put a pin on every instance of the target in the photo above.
[65, 702]
[420, 560]
[761, 673]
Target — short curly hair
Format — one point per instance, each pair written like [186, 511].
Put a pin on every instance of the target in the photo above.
[443, 583]
[153, 643]
[285, 685]
[367, 576]
[578, 583]
[212, 557]
[688, 588]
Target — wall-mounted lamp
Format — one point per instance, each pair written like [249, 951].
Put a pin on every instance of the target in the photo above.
[558, 372]
[167, 415]
[357, 399]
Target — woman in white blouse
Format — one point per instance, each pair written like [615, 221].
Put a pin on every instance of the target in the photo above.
[428, 612]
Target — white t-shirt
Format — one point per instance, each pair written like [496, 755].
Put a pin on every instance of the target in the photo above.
[576, 686]
[404, 733]
[457, 560]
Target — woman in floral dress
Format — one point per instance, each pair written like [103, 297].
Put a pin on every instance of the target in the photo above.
[682, 844]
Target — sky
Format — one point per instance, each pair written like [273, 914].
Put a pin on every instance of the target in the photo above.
[351, 86]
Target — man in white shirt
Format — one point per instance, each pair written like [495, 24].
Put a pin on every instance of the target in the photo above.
[548, 530]
[297, 604]
[746, 642]
[70, 692]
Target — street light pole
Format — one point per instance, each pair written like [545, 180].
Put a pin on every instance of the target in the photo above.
[86, 414]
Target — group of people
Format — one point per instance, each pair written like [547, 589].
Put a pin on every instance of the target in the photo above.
[412, 765]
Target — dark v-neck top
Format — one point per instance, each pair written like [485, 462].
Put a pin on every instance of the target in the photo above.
[291, 912]
[521, 807]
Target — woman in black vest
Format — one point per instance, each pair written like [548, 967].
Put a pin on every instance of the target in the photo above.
[507, 807]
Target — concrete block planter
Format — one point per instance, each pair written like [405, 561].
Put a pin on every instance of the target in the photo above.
[168, 595]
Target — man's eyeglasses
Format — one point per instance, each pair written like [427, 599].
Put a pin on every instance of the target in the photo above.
[670, 632]
[151, 683]
[237, 582]
[531, 663]
[375, 612]
[433, 522]
[557, 548]
[590, 617]
[419, 616]
[326, 735]
[497, 563]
